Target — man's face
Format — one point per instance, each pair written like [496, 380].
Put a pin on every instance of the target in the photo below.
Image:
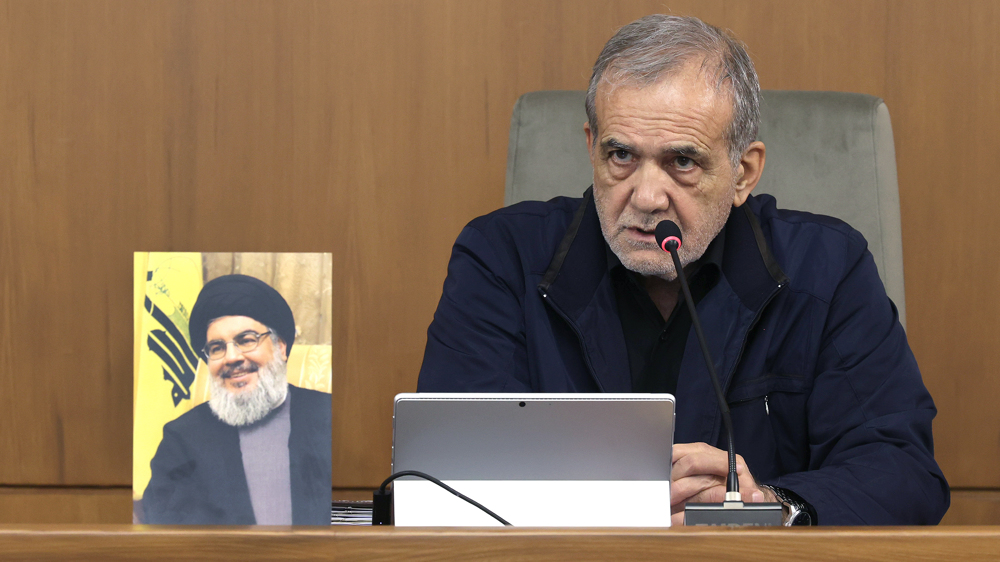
[238, 371]
[661, 154]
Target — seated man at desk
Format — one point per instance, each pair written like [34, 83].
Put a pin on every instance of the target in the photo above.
[259, 451]
[831, 416]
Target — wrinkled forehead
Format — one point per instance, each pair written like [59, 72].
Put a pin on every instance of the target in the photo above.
[681, 99]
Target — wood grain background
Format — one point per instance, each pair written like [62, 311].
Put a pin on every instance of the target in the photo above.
[344, 126]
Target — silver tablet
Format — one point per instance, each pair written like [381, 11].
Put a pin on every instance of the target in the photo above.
[534, 459]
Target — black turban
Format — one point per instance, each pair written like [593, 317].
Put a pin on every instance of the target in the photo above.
[241, 295]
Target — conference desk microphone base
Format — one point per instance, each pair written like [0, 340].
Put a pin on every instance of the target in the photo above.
[734, 514]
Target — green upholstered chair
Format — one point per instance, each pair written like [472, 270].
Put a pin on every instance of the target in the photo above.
[827, 152]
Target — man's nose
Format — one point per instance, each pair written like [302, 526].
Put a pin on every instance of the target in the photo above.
[651, 192]
[233, 353]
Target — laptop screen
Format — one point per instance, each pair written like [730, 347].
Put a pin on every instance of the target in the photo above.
[534, 459]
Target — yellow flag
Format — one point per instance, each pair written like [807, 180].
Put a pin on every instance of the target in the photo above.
[167, 285]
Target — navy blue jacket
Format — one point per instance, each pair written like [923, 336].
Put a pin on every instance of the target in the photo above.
[825, 394]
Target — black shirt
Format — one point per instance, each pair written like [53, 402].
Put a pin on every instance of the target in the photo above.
[656, 346]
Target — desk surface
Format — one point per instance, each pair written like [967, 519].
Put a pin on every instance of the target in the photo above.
[151, 544]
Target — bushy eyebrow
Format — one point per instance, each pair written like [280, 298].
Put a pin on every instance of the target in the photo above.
[615, 144]
[686, 150]
[243, 333]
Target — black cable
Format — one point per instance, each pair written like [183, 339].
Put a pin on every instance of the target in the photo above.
[380, 498]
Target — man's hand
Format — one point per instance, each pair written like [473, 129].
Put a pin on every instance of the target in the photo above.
[699, 475]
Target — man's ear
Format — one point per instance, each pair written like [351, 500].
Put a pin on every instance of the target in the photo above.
[282, 350]
[748, 171]
[590, 141]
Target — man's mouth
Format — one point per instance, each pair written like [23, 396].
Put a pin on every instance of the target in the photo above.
[642, 234]
[238, 372]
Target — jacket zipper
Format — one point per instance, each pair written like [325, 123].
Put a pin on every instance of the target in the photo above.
[579, 336]
[746, 335]
[767, 407]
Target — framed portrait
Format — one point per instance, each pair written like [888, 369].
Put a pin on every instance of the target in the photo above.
[231, 388]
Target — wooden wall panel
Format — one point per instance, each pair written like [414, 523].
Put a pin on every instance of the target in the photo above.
[68, 505]
[80, 117]
[973, 507]
[65, 505]
[375, 130]
[943, 80]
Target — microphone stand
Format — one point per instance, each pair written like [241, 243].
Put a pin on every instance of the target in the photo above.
[732, 511]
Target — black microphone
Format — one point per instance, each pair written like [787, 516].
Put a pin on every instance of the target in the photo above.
[668, 236]
[732, 511]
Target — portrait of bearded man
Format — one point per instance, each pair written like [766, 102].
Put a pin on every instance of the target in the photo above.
[259, 450]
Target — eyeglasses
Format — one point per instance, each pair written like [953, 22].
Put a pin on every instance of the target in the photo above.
[245, 342]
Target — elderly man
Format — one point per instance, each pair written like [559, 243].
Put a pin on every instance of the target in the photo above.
[573, 295]
[258, 452]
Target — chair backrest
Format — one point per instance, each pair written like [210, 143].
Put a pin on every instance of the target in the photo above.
[830, 153]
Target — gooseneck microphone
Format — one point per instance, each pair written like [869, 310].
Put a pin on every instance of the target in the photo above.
[668, 238]
[732, 511]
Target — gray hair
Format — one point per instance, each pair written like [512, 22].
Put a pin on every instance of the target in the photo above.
[656, 45]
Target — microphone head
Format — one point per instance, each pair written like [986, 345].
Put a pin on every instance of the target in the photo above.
[668, 235]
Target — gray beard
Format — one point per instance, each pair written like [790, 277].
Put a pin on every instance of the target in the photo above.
[240, 409]
[696, 241]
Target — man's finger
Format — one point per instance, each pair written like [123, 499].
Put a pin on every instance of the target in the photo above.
[700, 460]
[682, 490]
[715, 494]
[683, 449]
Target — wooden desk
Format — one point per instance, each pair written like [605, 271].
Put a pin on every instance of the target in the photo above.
[151, 544]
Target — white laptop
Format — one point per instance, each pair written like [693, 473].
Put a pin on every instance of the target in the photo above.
[567, 460]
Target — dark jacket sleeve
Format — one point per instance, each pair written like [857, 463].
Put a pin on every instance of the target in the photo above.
[476, 342]
[169, 496]
[310, 450]
[871, 454]
[197, 475]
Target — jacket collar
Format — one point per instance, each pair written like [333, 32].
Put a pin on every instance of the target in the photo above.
[748, 264]
[580, 265]
[577, 284]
